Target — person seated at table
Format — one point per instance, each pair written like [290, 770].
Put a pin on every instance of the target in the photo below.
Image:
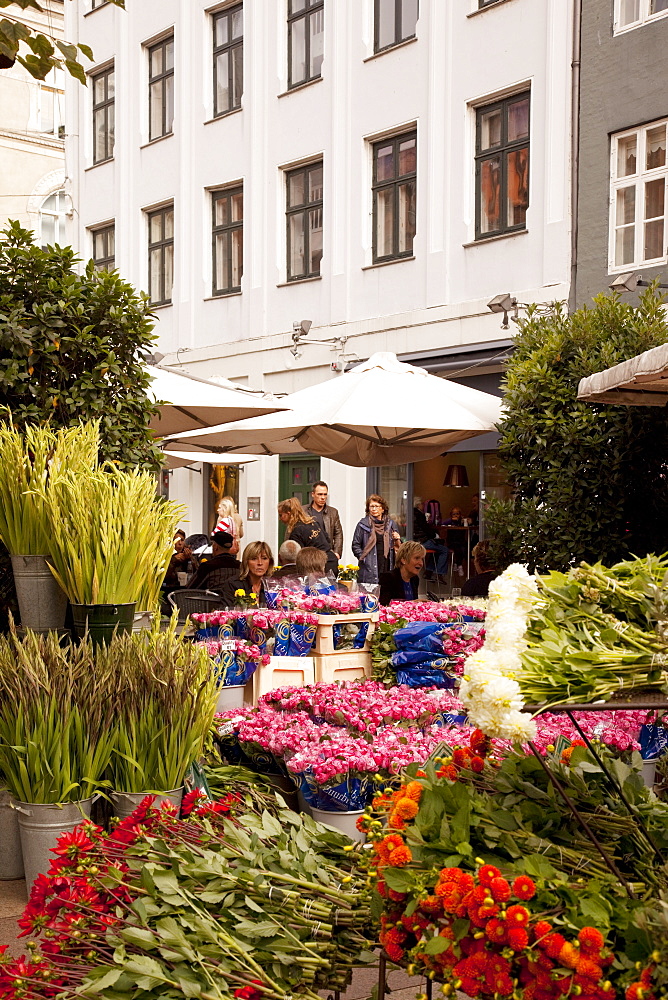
[311, 563]
[474, 518]
[287, 556]
[485, 572]
[222, 565]
[257, 562]
[401, 583]
[456, 540]
[183, 560]
[438, 552]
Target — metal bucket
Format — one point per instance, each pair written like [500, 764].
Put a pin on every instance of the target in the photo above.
[343, 821]
[230, 696]
[41, 826]
[125, 803]
[11, 858]
[42, 604]
[101, 621]
[649, 771]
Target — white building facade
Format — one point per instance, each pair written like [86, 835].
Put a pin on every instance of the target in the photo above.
[378, 167]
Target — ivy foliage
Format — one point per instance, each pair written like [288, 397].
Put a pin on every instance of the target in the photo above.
[71, 347]
[589, 481]
[40, 53]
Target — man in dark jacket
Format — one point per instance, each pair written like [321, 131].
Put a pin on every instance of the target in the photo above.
[213, 573]
[327, 517]
[287, 559]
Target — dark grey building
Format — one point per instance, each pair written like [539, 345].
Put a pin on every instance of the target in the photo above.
[621, 196]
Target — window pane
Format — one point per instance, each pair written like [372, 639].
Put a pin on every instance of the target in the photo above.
[169, 224]
[385, 163]
[154, 270]
[99, 136]
[296, 189]
[169, 270]
[157, 64]
[654, 197]
[297, 5]
[385, 29]
[222, 82]
[221, 211]
[237, 207]
[296, 245]
[518, 120]
[222, 261]
[47, 110]
[409, 16]
[317, 31]
[111, 84]
[490, 129]
[629, 11]
[315, 240]
[384, 222]
[111, 129]
[99, 249]
[656, 146]
[169, 101]
[237, 75]
[298, 51]
[518, 186]
[490, 195]
[653, 240]
[237, 257]
[99, 89]
[627, 156]
[658, 5]
[169, 54]
[406, 216]
[315, 184]
[626, 206]
[155, 228]
[624, 242]
[237, 23]
[156, 109]
[222, 29]
[48, 229]
[407, 157]
[111, 242]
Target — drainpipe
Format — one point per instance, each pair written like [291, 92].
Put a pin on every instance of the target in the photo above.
[575, 148]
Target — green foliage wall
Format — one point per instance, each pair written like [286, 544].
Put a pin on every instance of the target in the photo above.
[590, 481]
[71, 346]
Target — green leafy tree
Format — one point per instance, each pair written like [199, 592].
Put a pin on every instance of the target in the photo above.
[589, 481]
[71, 347]
[41, 53]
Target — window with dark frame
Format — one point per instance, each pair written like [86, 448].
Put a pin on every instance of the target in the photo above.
[394, 22]
[304, 221]
[98, 3]
[103, 114]
[161, 255]
[161, 88]
[228, 240]
[306, 40]
[228, 67]
[502, 166]
[486, 3]
[104, 247]
[394, 196]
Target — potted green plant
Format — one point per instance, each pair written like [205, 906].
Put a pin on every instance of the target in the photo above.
[56, 736]
[166, 703]
[28, 461]
[111, 534]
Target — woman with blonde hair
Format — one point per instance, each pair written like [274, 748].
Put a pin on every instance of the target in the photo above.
[401, 583]
[257, 563]
[302, 528]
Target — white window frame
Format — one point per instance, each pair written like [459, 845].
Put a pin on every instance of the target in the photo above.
[638, 180]
[52, 88]
[645, 16]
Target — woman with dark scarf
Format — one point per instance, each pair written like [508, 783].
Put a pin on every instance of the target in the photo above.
[375, 541]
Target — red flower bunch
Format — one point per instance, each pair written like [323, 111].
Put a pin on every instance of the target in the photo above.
[642, 988]
[567, 753]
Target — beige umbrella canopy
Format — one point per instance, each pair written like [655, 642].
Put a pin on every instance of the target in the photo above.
[189, 402]
[640, 381]
[383, 412]
[182, 459]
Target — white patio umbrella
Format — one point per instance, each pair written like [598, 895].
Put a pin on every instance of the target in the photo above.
[383, 412]
[182, 459]
[191, 402]
[640, 381]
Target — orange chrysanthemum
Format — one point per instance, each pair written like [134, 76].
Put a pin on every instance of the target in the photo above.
[413, 790]
[591, 937]
[524, 887]
[400, 856]
[406, 808]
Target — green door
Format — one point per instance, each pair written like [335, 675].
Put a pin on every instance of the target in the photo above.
[295, 479]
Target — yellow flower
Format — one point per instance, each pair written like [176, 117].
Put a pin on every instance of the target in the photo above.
[240, 593]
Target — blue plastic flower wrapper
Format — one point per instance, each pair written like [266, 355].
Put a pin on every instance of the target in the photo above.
[418, 657]
[226, 738]
[360, 638]
[653, 741]
[302, 638]
[209, 632]
[351, 794]
[261, 761]
[451, 719]
[320, 587]
[259, 637]
[369, 596]
[427, 678]
[226, 630]
[421, 635]
[282, 638]
[241, 627]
